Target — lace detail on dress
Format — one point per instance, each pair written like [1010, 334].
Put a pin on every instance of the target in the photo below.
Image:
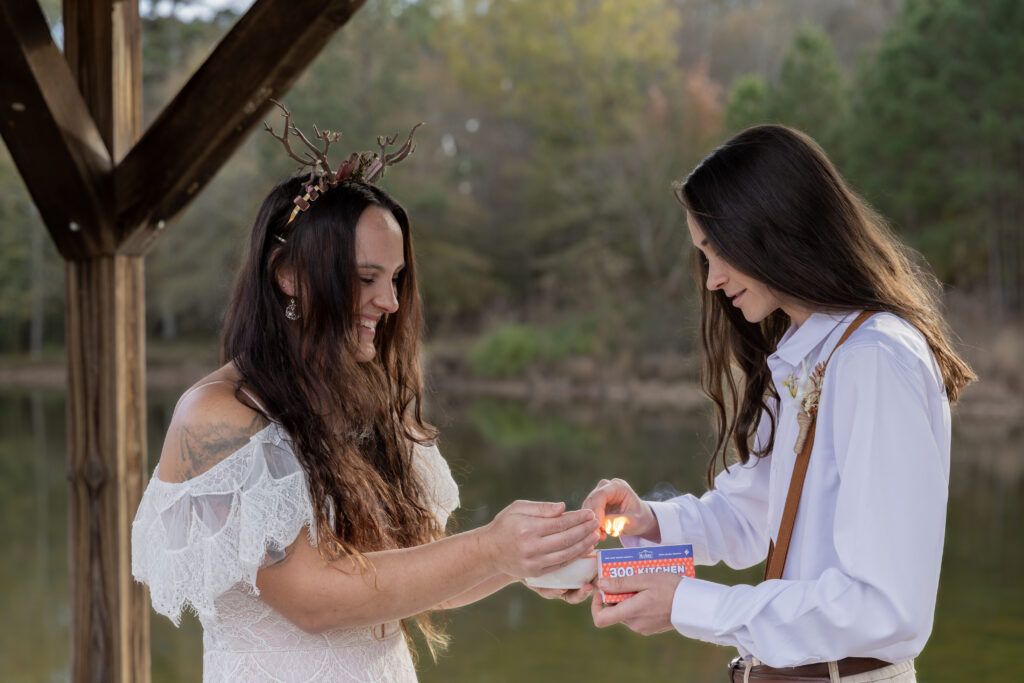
[199, 544]
[441, 489]
[192, 541]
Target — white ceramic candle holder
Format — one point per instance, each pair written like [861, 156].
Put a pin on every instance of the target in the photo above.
[572, 575]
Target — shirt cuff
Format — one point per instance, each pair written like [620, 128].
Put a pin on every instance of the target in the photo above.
[694, 606]
[669, 522]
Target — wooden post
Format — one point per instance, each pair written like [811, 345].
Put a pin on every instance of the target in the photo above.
[106, 371]
[103, 48]
[107, 467]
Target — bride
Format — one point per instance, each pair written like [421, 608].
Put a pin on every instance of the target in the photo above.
[300, 501]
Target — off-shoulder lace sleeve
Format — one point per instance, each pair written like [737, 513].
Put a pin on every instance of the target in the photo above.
[441, 489]
[194, 540]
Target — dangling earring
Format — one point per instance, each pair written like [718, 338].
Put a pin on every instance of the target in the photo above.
[291, 311]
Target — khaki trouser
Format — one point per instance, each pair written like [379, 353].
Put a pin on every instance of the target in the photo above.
[742, 671]
[897, 673]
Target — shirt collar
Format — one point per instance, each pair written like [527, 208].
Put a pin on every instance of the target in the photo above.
[798, 342]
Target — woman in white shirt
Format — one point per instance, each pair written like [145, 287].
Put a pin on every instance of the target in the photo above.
[787, 258]
[299, 505]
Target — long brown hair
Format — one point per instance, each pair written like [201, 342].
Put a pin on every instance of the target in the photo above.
[772, 206]
[353, 424]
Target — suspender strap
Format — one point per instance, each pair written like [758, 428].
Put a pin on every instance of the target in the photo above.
[776, 562]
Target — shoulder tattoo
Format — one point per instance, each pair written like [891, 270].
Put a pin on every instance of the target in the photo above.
[276, 556]
[203, 446]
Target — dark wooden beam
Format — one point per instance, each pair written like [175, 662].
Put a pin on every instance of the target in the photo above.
[260, 58]
[51, 135]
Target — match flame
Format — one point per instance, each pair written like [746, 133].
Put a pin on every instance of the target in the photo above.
[613, 526]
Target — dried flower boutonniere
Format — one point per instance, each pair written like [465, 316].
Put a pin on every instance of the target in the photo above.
[804, 393]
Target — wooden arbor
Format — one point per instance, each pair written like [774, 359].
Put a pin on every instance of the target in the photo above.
[72, 123]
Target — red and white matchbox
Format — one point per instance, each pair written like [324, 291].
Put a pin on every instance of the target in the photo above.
[655, 559]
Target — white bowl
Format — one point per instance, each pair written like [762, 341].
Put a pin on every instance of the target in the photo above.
[572, 575]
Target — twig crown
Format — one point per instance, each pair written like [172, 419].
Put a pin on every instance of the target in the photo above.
[365, 167]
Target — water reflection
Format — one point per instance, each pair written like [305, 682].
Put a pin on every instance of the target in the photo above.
[501, 451]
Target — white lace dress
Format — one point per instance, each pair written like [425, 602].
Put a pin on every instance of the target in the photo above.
[199, 543]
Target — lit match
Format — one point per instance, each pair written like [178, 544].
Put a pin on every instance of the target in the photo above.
[613, 526]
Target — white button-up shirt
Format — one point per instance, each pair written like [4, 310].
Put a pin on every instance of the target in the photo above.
[863, 566]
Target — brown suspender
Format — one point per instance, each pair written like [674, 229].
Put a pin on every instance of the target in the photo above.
[777, 553]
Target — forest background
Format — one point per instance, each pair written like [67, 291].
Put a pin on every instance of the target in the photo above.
[548, 241]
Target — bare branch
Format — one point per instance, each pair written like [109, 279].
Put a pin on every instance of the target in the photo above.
[385, 159]
[283, 138]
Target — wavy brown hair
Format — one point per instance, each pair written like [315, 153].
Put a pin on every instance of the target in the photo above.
[772, 206]
[353, 425]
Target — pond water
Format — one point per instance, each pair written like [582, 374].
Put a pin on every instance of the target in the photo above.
[500, 451]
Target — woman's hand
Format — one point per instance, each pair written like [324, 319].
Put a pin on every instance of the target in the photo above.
[615, 498]
[525, 539]
[647, 612]
[530, 539]
[573, 596]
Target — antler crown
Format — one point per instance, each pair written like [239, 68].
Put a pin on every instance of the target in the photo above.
[366, 167]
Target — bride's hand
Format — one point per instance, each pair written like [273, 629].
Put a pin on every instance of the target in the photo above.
[530, 539]
[615, 498]
[572, 596]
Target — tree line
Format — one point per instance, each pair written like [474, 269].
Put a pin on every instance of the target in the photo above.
[539, 191]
